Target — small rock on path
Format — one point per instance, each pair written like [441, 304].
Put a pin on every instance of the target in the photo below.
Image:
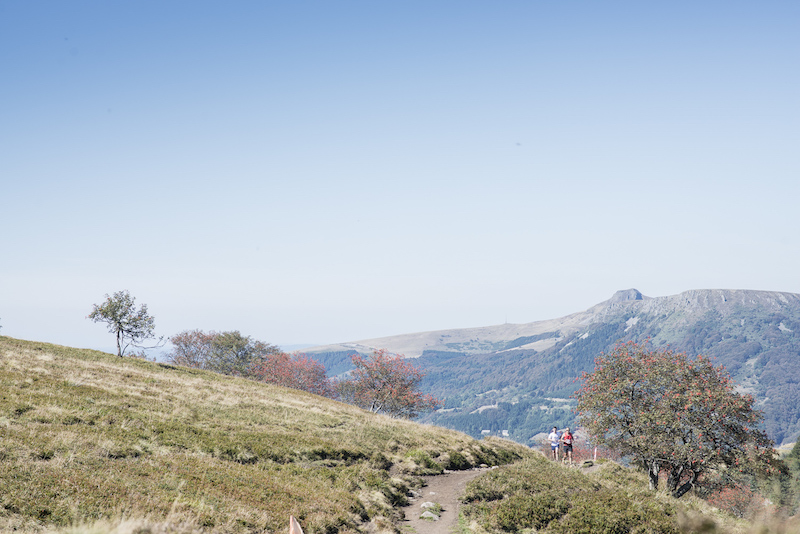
[445, 490]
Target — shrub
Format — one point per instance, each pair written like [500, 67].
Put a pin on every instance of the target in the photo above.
[547, 497]
[455, 461]
[530, 511]
[426, 465]
[612, 512]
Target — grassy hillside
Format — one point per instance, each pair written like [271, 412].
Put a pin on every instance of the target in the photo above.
[87, 437]
[94, 444]
[538, 495]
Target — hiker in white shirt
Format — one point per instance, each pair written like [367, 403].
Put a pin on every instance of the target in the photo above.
[554, 438]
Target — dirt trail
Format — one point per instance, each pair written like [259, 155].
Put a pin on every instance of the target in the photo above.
[445, 490]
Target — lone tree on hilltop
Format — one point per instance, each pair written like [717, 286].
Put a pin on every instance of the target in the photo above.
[129, 325]
[671, 413]
[384, 383]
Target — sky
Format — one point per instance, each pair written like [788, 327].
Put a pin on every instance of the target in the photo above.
[314, 172]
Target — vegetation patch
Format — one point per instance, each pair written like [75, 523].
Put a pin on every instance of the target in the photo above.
[538, 495]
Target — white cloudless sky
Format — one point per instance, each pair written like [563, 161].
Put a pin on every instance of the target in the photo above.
[320, 172]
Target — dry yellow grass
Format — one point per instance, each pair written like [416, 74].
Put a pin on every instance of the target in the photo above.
[90, 442]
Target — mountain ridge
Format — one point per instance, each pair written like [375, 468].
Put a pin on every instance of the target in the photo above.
[413, 345]
[506, 377]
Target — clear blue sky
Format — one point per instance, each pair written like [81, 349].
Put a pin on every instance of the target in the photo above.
[319, 172]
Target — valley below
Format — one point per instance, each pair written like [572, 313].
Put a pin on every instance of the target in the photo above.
[517, 379]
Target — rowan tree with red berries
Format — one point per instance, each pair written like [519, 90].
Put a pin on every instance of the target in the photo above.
[672, 413]
[386, 383]
[296, 371]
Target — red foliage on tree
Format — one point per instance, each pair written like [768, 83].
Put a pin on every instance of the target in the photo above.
[738, 499]
[673, 413]
[386, 383]
[296, 371]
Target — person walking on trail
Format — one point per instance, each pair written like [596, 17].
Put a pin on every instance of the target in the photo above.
[554, 438]
[567, 439]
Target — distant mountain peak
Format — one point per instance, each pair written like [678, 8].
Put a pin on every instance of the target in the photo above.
[625, 295]
[539, 335]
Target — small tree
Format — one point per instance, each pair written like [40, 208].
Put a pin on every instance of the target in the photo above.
[129, 325]
[384, 383]
[296, 371]
[671, 413]
[228, 353]
[191, 348]
[235, 354]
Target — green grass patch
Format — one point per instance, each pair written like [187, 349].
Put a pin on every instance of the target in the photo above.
[538, 495]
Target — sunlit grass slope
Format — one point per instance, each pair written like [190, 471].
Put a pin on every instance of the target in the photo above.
[87, 438]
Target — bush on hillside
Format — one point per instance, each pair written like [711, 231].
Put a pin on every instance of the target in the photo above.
[542, 495]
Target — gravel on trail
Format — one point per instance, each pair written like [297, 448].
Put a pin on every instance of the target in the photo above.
[446, 491]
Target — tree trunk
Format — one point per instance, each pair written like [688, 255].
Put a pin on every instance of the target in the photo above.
[652, 471]
[685, 487]
[674, 478]
[674, 485]
[119, 343]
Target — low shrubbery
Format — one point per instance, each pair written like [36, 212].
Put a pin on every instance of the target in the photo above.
[539, 495]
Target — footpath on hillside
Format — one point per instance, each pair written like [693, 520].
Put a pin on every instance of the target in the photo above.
[446, 491]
